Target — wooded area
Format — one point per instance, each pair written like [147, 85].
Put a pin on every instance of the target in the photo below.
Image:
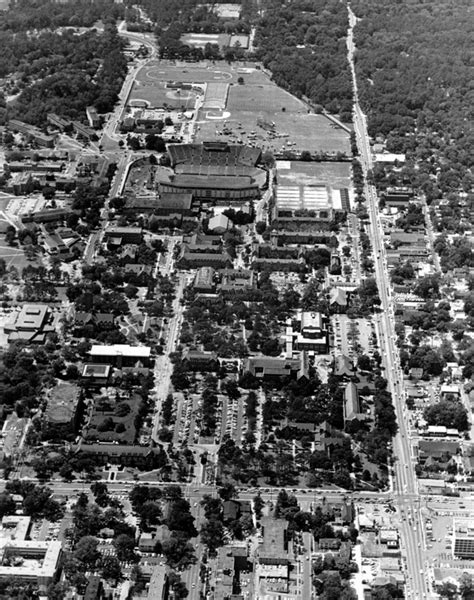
[304, 46]
[414, 69]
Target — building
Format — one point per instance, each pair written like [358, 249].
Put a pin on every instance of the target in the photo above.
[47, 216]
[121, 355]
[219, 224]
[270, 368]
[175, 207]
[234, 281]
[287, 265]
[338, 300]
[57, 121]
[193, 257]
[204, 280]
[27, 561]
[276, 576]
[141, 457]
[158, 588]
[463, 539]
[93, 117]
[398, 196]
[352, 408]
[343, 366]
[94, 375]
[42, 139]
[313, 335]
[31, 324]
[63, 411]
[118, 236]
[94, 588]
[200, 361]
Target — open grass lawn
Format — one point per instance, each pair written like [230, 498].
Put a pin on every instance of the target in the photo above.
[263, 97]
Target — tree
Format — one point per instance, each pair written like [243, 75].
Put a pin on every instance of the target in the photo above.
[212, 535]
[227, 491]
[447, 591]
[7, 505]
[177, 585]
[110, 568]
[178, 551]
[86, 550]
[125, 548]
[449, 413]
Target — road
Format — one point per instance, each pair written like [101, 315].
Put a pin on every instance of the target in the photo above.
[163, 364]
[405, 481]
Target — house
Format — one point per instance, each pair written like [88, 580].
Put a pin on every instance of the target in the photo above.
[270, 368]
[338, 300]
[196, 360]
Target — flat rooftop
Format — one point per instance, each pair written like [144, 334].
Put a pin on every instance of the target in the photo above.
[121, 350]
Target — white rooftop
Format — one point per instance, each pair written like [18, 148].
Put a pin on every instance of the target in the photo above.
[120, 350]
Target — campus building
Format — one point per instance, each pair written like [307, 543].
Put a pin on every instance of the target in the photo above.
[120, 355]
[31, 324]
[27, 561]
[312, 336]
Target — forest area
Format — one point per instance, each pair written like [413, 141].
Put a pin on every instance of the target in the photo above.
[46, 70]
[414, 67]
[304, 46]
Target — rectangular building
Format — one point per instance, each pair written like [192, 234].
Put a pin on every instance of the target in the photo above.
[120, 355]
